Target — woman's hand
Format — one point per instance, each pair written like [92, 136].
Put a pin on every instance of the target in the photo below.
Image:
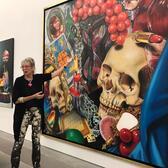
[38, 95]
[57, 72]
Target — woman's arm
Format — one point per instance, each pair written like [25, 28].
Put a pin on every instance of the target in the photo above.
[57, 72]
[38, 95]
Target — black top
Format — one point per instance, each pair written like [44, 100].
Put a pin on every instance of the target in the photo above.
[21, 89]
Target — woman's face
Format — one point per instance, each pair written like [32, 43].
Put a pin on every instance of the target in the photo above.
[56, 24]
[27, 69]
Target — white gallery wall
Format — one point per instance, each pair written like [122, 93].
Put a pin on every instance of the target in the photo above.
[23, 21]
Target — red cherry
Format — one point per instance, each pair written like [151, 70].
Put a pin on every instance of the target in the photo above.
[121, 26]
[135, 136]
[122, 16]
[117, 8]
[112, 28]
[125, 150]
[125, 135]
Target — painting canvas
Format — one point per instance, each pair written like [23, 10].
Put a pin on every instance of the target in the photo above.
[6, 72]
[112, 94]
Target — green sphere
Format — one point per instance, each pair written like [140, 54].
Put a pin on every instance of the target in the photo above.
[74, 135]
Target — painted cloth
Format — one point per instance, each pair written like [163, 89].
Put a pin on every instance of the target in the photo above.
[153, 147]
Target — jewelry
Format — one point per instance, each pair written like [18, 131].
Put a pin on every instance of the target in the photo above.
[21, 99]
[30, 83]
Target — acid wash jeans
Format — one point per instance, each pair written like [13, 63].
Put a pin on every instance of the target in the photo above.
[32, 117]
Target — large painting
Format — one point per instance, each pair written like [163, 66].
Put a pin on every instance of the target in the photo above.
[6, 72]
[113, 95]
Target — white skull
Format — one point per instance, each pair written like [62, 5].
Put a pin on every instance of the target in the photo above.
[119, 77]
[59, 94]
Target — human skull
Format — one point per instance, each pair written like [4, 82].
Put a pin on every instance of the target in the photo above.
[59, 94]
[119, 77]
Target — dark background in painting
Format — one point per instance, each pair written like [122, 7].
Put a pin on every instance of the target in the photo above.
[8, 45]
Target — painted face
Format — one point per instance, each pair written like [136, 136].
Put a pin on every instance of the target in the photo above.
[56, 24]
[5, 56]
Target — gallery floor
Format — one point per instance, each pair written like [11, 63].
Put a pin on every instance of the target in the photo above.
[50, 158]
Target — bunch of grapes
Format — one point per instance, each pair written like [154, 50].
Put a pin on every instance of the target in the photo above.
[116, 19]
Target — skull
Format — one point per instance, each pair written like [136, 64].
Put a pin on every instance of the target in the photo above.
[59, 94]
[119, 77]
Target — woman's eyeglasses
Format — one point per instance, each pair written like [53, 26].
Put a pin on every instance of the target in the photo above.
[25, 66]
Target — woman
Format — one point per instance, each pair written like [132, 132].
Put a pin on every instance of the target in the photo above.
[28, 98]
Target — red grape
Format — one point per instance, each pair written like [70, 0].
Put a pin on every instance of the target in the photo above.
[92, 3]
[122, 16]
[121, 26]
[74, 12]
[103, 8]
[117, 8]
[85, 15]
[120, 40]
[80, 12]
[113, 36]
[109, 3]
[127, 23]
[112, 28]
[113, 19]
[86, 2]
[100, 2]
[85, 8]
[96, 10]
[109, 12]
[107, 19]
[75, 19]
[90, 12]
[78, 4]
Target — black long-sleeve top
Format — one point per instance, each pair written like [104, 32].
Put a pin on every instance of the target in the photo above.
[21, 89]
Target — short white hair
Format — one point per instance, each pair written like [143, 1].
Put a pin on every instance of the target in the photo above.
[30, 61]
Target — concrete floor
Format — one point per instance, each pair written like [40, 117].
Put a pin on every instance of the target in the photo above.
[49, 159]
